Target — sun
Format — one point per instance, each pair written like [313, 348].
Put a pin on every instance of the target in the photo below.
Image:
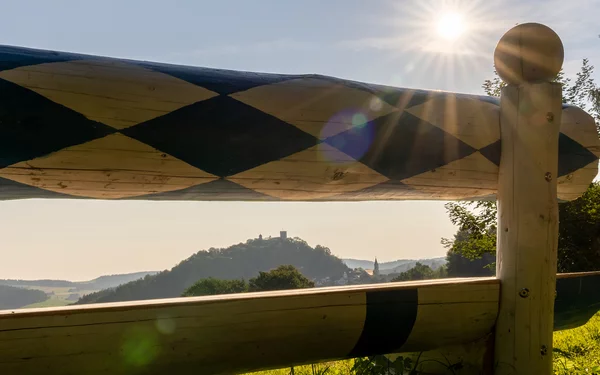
[451, 26]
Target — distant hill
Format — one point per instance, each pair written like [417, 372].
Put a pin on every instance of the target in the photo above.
[13, 297]
[241, 261]
[112, 281]
[102, 282]
[396, 266]
[433, 263]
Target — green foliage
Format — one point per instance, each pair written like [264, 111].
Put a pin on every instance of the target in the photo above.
[212, 286]
[583, 92]
[241, 261]
[280, 278]
[460, 266]
[283, 277]
[493, 87]
[418, 272]
[476, 222]
[577, 351]
[50, 302]
[441, 272]
[474, 241]
[579, 230]
[331, 368]
[381, 365]
[578, 233]
[13, 298]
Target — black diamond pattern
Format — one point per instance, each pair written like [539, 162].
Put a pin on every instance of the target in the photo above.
[224, 189]
[572, 156]
[33, 126]
[418, 146]
[404, 99]
[388, 188]
[222, 136]
[13, 57]
[493, 152]
[221, 81]
[17, 190]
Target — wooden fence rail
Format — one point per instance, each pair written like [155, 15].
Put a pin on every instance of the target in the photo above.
[251, 331]
[77, 126]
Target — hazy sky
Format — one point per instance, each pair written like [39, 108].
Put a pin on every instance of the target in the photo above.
[378, 41]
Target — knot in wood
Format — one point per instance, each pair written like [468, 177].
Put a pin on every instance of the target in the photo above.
[524, 293]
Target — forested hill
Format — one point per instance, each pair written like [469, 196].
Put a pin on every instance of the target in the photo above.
[13, 298]
[241, 261]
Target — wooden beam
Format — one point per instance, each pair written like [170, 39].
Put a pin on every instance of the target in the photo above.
[530, 116]
[577, 300]
[246, 332]
[79, 126]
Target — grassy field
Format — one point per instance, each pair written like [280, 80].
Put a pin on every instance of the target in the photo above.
[57, 296]
[50, 302]
[576, 352]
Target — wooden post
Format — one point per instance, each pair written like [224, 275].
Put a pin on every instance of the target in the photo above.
[528, 57]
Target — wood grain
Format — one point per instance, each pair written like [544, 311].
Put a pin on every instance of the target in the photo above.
[316, 173]
[115, 166]
[527, 228]
[109, 91]
[264, 137]
[319, 107]
[230, 334]
[227, 334]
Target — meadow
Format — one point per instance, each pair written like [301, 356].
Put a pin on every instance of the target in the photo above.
[57, 296]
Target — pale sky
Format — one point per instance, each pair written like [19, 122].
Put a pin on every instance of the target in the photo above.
[391, 42]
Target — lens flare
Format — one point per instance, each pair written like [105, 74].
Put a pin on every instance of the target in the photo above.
[140, 346]
[357, 135]
[375, 104]
[165, 325]
[359, 120]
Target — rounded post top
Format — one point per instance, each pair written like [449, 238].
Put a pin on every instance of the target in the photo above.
[530, 52]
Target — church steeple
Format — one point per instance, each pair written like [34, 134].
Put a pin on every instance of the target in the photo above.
[376, 268]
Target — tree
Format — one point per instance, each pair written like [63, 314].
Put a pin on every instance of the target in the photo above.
[441, 272]
[239, 261]
[460, 266]
[583, 92]
[14, 298]
[579, 228]
[418, 272]
[282, 277]
[212, 286]
[476, 233]
[579, 232]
